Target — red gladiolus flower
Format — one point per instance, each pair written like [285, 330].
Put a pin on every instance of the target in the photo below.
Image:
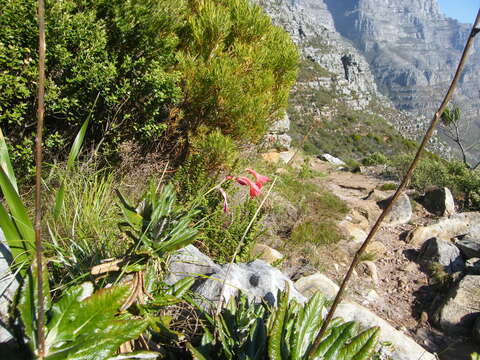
[259, 179]
[254, 189]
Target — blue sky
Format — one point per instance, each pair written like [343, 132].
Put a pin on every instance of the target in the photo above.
[462, 10]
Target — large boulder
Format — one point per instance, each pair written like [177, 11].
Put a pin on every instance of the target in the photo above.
[8, 288]
[456, 316]
[443, 252]
[309, 285]
[469, 244]
[447, 228]
[439, 201]
[257, 279]
[405, 348]
[401, 212]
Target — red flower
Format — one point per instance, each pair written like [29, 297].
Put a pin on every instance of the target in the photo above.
[225, 202]
[259, 179]
[254, 188]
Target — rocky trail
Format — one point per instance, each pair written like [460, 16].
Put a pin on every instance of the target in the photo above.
[392, 280]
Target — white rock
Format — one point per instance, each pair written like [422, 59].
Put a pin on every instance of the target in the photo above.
[8, 287]
[332, 159]
[309, 285]
[405, 348]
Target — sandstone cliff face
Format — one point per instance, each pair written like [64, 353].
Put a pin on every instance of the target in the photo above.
[311, 26]
[335, 73]
[413, 50]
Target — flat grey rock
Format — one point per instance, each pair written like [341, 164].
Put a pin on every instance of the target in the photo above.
[459, 311]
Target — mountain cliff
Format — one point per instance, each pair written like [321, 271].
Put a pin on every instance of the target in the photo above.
[337, 74]
[413, 50]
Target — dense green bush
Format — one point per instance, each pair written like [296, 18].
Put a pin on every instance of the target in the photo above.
[144, 69]
[432, 171]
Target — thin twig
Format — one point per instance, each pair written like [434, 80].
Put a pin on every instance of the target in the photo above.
[38, 177]
[240, 243]
[428, 135]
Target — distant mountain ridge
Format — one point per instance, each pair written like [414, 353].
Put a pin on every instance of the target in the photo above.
[409, 47]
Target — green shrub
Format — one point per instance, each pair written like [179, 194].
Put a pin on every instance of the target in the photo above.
[375, 158]
[320, 232]
[86, 230]
[388, 186]
[216, 151]
[432, 171]
[145, 69]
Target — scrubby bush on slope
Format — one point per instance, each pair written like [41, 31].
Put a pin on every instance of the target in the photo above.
[145, 68]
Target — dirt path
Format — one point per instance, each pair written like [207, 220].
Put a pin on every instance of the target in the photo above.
[400, 292]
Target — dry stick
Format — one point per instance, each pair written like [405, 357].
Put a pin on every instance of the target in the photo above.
[402, 186]
[38, 177]
[219, 305]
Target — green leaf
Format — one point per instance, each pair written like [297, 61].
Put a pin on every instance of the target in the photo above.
[72, 156]
[18, 211]
[28, 303]
[278, 329]
[362, 346]
[345, 333]
[5, 163]
[307, 326]
[136, 355]
[195, 353]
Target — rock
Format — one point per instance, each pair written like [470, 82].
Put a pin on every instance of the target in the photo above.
[8, 288]
[439, 201]
[272, 157]
[277, 141]
[267, 254]
[404, 347]
[354, 231]
[257, 279]
[476, 330]
[446, 228]
[377, 248]
[443, 252]
[309, 285]
[401, 212]
[472, 266]
[469, 246]
[371, 270]
[456, 316]
[189, 261]
[286, 156]
[281, 126]
[332, 159]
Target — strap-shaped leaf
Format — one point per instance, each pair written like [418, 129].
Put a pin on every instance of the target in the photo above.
[72, 156]
[278, 329]
[257, 346]
[307, 326]
[5, 162]
[361, 346]
[347, 332]
[17, 210]
[333, 333]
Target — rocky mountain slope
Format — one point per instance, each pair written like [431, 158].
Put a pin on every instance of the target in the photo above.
[413, 50]
[336, 82]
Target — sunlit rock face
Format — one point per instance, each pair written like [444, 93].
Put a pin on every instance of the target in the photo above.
[413, 51]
